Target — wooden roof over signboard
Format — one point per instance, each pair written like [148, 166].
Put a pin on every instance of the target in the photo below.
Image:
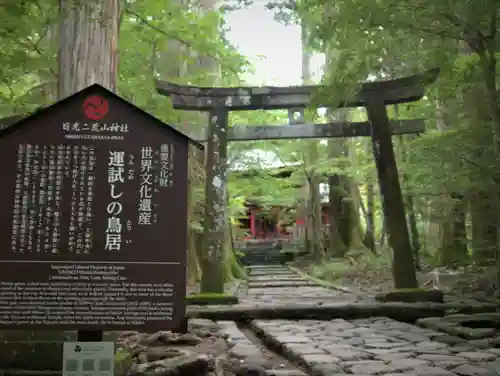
[11, 123]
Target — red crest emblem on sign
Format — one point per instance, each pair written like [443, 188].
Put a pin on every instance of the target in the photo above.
[95, 107]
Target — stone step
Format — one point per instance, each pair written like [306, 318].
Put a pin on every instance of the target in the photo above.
[257, 266]
[263, 285]
[277, 272]
[248, 261]
[276, 278]
[262, 256]
[261, 253]
[256, 251]
[269, 268]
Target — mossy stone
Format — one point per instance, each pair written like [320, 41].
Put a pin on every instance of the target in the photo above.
[411, 296]
[212, 299]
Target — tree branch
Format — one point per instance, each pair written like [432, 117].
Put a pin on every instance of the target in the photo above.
[154, 55]
[451, 17]
[11, 90]
[183, 41]
[491, 37]
[485, 169]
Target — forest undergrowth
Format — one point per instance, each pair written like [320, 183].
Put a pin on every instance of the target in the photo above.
[372, 273]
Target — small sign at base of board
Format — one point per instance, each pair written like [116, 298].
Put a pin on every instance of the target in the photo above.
[88, 359]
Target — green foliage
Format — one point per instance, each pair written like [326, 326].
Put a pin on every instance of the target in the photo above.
[27, 62]
[430, 153]
[156, 39]
[367, 270]
[171, 41]
[123, 361]
[251, 178]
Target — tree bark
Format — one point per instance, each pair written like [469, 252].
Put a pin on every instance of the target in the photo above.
[486, 49]
[483, 198]
[356, 228]
[460, 229]
[453, 247]
[369, 239]
[340, 202]
[315, 217]
[88, 45]
[336, 246]
[383, 231]
[193, 265]
[345, 217]
[484, 235]
[414, 234]
[314, 228]
[88, 54]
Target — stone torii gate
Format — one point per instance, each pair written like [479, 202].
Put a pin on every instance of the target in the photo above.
[374, 96]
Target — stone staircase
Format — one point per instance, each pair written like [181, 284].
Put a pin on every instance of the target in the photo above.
[262, 253]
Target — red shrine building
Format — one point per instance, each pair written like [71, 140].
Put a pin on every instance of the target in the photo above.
[268, 224]
[278, 222]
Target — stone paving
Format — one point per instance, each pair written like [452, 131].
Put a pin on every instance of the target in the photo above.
[376, 346]
[272, 284]
[482, 330]
[253, 355]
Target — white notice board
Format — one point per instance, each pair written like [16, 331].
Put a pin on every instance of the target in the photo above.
[88, 359]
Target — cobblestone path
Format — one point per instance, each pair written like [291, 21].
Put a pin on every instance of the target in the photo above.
[373, 346]
[271, 284]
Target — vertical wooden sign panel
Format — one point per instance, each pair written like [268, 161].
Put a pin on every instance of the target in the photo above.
[94, 218]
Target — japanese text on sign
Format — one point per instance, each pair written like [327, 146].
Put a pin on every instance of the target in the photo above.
[36, 218]
[146, 187]
[95, 127]
[116, 172]
[166, 165]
